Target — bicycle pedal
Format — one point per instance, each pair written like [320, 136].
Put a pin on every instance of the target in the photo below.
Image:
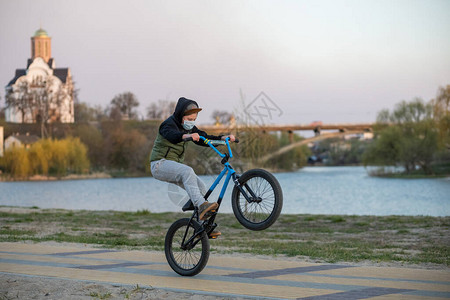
[209, 214]
[214, 235]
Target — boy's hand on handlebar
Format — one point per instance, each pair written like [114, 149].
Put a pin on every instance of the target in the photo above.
[191, 137]
[232, 137]
[195, 137]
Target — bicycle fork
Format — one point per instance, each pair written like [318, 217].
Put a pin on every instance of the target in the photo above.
[253, 197]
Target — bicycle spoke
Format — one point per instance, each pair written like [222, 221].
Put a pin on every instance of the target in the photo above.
[258, 211]
[186, 259]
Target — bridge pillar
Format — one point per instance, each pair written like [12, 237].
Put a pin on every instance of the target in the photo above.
[317, 131]
[291, 136]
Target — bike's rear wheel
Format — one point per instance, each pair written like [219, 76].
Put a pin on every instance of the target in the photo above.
[266, 201]
[192, 258]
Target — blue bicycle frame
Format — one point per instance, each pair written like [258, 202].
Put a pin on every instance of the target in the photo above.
[228, 170]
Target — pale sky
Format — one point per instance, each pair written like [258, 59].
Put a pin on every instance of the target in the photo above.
[333, 61]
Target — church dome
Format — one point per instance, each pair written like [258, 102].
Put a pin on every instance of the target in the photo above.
[40, 32]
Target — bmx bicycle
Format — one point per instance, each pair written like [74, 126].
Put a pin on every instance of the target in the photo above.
[256, 200]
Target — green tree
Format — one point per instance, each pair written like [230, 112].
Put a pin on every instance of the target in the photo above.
[59, 160]
[47, 157]
[16, 163]
[39, 158]
[92, 137]
[345, 152]
[126, 149]
[78, 161]
[410, 140]
[385, 150]
[292, 160]
[441, 106]
[85, 113]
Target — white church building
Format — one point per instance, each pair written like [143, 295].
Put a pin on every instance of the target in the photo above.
[38, 83]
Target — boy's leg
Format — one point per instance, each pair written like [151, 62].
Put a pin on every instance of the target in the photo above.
[182, 175]
[201, 185]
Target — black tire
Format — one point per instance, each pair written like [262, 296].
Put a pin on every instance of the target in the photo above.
[188, 262]
[260, 214]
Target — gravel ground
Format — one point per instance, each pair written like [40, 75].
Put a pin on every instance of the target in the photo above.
[33, 287]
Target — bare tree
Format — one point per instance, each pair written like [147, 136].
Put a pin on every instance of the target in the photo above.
[47, 97]
[38, 101]
[221, 117]
[126, 104]
[20, 98]
[2, 111]
[161, 110]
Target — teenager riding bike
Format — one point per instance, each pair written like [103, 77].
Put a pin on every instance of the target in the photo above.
[167, 155]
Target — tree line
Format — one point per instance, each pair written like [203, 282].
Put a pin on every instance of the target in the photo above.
[46, 157]
[414, 135]
[121, 145]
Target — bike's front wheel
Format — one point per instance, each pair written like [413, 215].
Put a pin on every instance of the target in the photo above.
[265, 201]
[186, 252]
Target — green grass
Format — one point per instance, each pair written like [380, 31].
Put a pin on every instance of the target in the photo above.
[101, 296]
[328, 238]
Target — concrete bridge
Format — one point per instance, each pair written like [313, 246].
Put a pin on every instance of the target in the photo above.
[317, 127]
[316, 138]
[341, 130]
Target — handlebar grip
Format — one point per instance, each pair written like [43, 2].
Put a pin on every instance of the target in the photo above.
[189, 139]
[236, 140]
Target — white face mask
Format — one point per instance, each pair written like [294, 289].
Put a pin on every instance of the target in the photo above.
[188, 125]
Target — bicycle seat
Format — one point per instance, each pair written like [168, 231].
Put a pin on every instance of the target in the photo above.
[188, 206]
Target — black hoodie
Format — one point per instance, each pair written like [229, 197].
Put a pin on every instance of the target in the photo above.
[172, 129]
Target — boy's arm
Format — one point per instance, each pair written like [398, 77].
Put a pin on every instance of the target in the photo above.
[205, 135]
[171, 132]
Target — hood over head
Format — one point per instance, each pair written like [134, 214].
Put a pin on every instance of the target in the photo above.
[184, 107]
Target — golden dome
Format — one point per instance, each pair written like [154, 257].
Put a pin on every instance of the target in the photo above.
[40, 33]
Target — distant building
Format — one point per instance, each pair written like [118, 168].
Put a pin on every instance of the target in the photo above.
[20, 140]
[39, 82]
[360, 136]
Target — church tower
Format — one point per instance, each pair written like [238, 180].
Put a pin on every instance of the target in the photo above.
[41, 45]
[40, 76]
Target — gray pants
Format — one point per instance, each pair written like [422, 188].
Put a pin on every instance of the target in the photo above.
[181, 175]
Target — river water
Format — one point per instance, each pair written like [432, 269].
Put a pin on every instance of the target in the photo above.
[311, 190]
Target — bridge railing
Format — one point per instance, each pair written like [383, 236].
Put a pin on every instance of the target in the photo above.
[342, 127]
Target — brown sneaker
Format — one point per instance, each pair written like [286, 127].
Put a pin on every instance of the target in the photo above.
[215, 234]
[206, 209]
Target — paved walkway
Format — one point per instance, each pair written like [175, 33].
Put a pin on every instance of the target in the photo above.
[227, 276]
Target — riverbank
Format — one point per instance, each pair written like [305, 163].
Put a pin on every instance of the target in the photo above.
[436, 171]
[97, 175]
[375, 240]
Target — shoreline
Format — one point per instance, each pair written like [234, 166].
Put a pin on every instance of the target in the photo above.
[104, 175]
[97, 175]
[37, 209]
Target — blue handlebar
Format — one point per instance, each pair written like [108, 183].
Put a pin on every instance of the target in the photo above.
[208, 142]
